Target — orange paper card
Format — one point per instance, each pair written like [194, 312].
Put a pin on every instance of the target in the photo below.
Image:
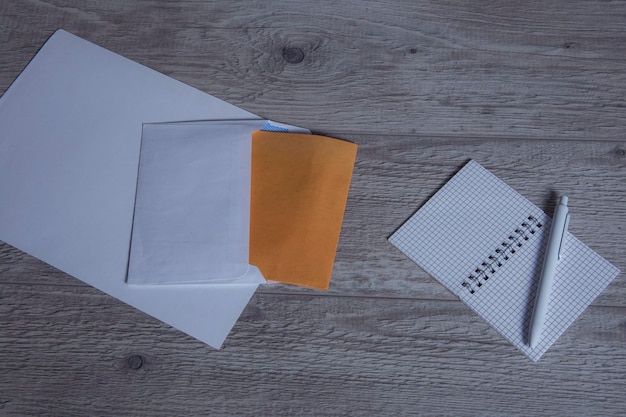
[300, 186]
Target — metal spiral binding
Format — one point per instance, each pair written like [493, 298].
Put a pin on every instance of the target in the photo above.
[502, 253]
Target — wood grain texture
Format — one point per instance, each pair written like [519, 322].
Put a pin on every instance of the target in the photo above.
[315, 355]
[534, 91]
[537, 69]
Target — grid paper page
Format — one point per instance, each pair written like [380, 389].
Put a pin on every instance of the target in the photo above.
[485, 242]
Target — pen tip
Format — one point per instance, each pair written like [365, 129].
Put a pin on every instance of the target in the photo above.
[563, 200]
[533, 338]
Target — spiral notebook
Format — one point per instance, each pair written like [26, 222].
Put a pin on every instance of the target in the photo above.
[485, 242]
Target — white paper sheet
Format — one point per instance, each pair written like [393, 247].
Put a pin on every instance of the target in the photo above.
[192, 210]
[70, 130]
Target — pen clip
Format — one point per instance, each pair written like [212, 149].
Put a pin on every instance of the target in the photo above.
[565, 227]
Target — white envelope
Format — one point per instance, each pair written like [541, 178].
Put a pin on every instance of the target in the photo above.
[70, 130]
[192, 209]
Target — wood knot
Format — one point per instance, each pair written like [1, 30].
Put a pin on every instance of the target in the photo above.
[135, 362]
[620, 152]
[293, 55]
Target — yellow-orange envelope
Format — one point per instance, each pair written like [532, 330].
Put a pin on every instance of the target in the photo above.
[300, 186]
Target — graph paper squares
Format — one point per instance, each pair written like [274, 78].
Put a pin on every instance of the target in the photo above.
[467, 221]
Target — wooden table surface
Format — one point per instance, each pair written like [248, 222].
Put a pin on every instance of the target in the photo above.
[535, 91]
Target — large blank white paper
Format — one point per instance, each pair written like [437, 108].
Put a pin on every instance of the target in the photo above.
[192, 210]
[70, 130]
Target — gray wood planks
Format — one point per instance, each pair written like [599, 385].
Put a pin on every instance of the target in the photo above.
[534, 91]
[74, 349]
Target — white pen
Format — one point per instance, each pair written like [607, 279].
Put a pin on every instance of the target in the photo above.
[556, 241]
